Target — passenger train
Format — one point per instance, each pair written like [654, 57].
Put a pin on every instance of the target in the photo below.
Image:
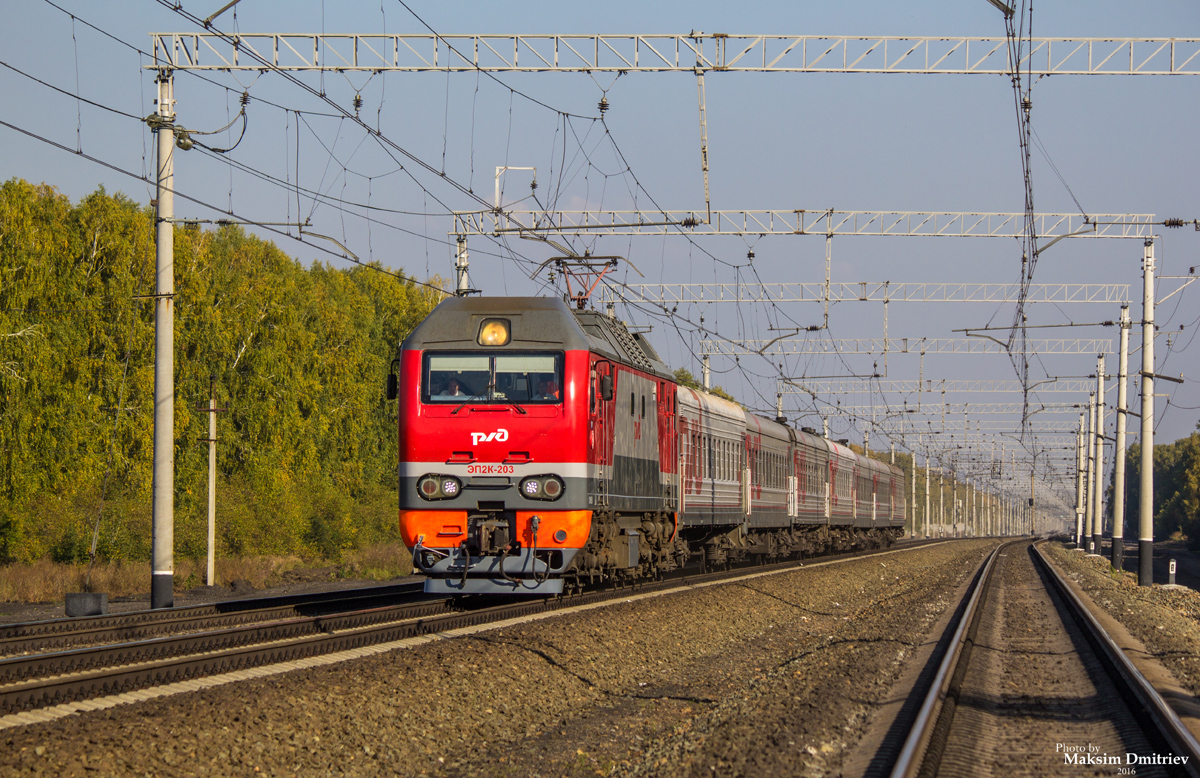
[543, 446]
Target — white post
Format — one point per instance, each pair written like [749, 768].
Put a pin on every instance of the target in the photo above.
[1091, 475]
[1080, 470]
[1098, 506]
[162, 564]
[210, 575]
[462, 284]
[913, 500]
[706, 373]
[1118, 530]
[926, 494]
[1146, 501]
[941, 505]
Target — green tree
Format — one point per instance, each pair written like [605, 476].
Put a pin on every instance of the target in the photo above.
[298, 355]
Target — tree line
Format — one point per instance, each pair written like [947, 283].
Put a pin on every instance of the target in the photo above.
[1176, 490]
[298, 355]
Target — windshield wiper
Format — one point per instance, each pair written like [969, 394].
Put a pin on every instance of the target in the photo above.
[488, 389]
[472, 398]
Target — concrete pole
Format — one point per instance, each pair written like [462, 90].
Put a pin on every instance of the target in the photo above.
[1146, 498]
[706, 374]
[913, 493]
[927, 495]
[1080, 469]
[941, 505]
[1118, 527]
[1091, 475]
[975, 510]
[1098, 507]
[162, 562]
[1032, 500]
[462, 285]
[210, 577]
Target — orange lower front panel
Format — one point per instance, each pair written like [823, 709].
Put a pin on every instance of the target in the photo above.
[435, 529]
[448, 529]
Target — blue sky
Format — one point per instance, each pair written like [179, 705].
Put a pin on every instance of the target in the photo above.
[847, 141]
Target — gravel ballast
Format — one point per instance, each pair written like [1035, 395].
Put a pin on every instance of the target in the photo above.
[1165, 619]
[774, 674]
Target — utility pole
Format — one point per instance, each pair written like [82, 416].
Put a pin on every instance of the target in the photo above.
[941, 505]
[162, 562]
[462, 286]
[1146, 498]
[1032, 499]
[1080, 469]
[913, 498]
[212, 410]
[1118, 531]
[706, 374]
[975, 509]
[1098, 506]
[1091, 475]
[926, 495]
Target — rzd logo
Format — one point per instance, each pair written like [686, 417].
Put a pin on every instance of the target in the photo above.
[499, 435]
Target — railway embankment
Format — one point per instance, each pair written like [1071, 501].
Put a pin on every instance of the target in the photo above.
[778, 673]
[1165, 620]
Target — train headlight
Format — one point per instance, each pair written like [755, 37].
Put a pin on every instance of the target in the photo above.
[494, 332]
[542, 487]
[438, 487]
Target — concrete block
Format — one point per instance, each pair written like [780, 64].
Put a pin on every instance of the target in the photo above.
[87, 604]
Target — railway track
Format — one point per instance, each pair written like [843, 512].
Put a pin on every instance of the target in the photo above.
[37, 636]
[197, 649]
[1032, 685]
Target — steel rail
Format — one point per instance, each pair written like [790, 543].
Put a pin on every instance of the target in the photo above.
[84, 673]
[911, 755]
[1138, 692]
[1160, 724]
[143, 624]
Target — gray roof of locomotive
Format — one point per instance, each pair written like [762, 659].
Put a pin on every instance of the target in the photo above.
[537, 323]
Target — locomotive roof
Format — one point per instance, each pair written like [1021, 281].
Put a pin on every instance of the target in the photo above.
[536, 323]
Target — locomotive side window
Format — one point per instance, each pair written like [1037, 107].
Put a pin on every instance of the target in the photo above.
[458, 377]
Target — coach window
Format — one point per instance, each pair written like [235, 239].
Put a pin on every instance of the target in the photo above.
[643, 406]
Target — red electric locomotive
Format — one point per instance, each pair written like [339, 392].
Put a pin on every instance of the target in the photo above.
[540, 444]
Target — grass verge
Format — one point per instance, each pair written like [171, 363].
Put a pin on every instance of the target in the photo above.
[48, 581]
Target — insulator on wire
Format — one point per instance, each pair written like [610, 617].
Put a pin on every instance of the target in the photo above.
[245, 99]
[750, 256]
[1173, 222]
[603, 104]
[358, 102]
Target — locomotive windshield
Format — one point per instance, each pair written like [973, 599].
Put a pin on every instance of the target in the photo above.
[520, 377]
